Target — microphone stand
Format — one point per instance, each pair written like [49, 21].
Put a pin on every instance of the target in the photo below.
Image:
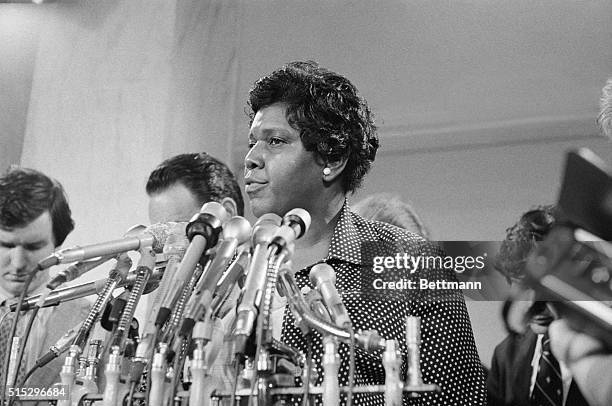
[392, 361]
[115, 277]
[174, 249]
[198, 390]
[87, 383]
[331, 358]
[294, 225]
[331, 362]
[413, 339]
[113, 369]
[331, 365]
[145, 352]
[263, 360]
[158, 377]
[68, 373]
[182, 342]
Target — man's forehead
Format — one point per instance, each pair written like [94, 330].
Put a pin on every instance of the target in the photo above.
[38, 230]
[174, 203]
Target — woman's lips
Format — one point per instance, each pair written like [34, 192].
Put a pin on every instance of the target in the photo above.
[254, 187]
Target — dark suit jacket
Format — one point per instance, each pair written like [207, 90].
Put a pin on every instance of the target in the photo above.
[510, 376]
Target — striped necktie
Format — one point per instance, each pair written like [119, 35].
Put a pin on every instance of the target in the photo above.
[548, 389]
[6, 318]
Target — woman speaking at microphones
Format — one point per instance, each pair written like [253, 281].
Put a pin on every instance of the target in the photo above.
[311, 141]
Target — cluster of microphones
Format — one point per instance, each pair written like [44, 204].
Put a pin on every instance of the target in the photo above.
[196, 272]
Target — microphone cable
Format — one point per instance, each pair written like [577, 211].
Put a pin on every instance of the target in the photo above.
[27, 376]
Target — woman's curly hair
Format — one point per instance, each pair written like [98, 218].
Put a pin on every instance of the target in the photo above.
[521, 238]
[325, 107]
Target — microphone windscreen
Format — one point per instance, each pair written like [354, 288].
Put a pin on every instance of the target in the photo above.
[237, 228]
[322, 272]
[265, 228]
[217, 210]
[160, 233]
[300, 217]
[269, 218]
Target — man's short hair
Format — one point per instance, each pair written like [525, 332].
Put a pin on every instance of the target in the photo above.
[326, 109]
[605, 110]
[25, 194]
[521, 238]
[206, 177]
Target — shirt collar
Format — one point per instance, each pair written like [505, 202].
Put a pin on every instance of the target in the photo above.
[346, 241]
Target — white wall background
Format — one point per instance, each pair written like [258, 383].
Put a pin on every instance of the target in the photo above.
[476, 101]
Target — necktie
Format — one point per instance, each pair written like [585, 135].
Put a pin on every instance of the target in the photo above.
[6, 318]
[548, 389]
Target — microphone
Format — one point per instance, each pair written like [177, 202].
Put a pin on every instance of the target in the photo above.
[143, 271]
[116, 275]
[236, 231]
[76, 270]
[263, 232]
[85, 289]
[295, 299]
[295, 224]
[315, 303]
[154, 236]
[203, 232]
[224, 288]
[369, 340]
[323, 277]
[174, 250]
[62, 345]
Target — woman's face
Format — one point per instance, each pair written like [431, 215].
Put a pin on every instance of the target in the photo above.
[279, 173]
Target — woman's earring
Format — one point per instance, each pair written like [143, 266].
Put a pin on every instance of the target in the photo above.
[326, 171]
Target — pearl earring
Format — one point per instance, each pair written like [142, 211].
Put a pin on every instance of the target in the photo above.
[326, 171]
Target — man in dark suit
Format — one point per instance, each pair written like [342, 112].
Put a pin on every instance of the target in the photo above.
[34, 220]
[177, 189]
[523, 370]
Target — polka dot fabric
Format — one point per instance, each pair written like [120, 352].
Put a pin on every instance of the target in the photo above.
[448, 353]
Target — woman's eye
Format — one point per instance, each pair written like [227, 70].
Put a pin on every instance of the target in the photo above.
[275, 141]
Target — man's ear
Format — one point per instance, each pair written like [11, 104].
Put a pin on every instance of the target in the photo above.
[230, 205]
[335, 169]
